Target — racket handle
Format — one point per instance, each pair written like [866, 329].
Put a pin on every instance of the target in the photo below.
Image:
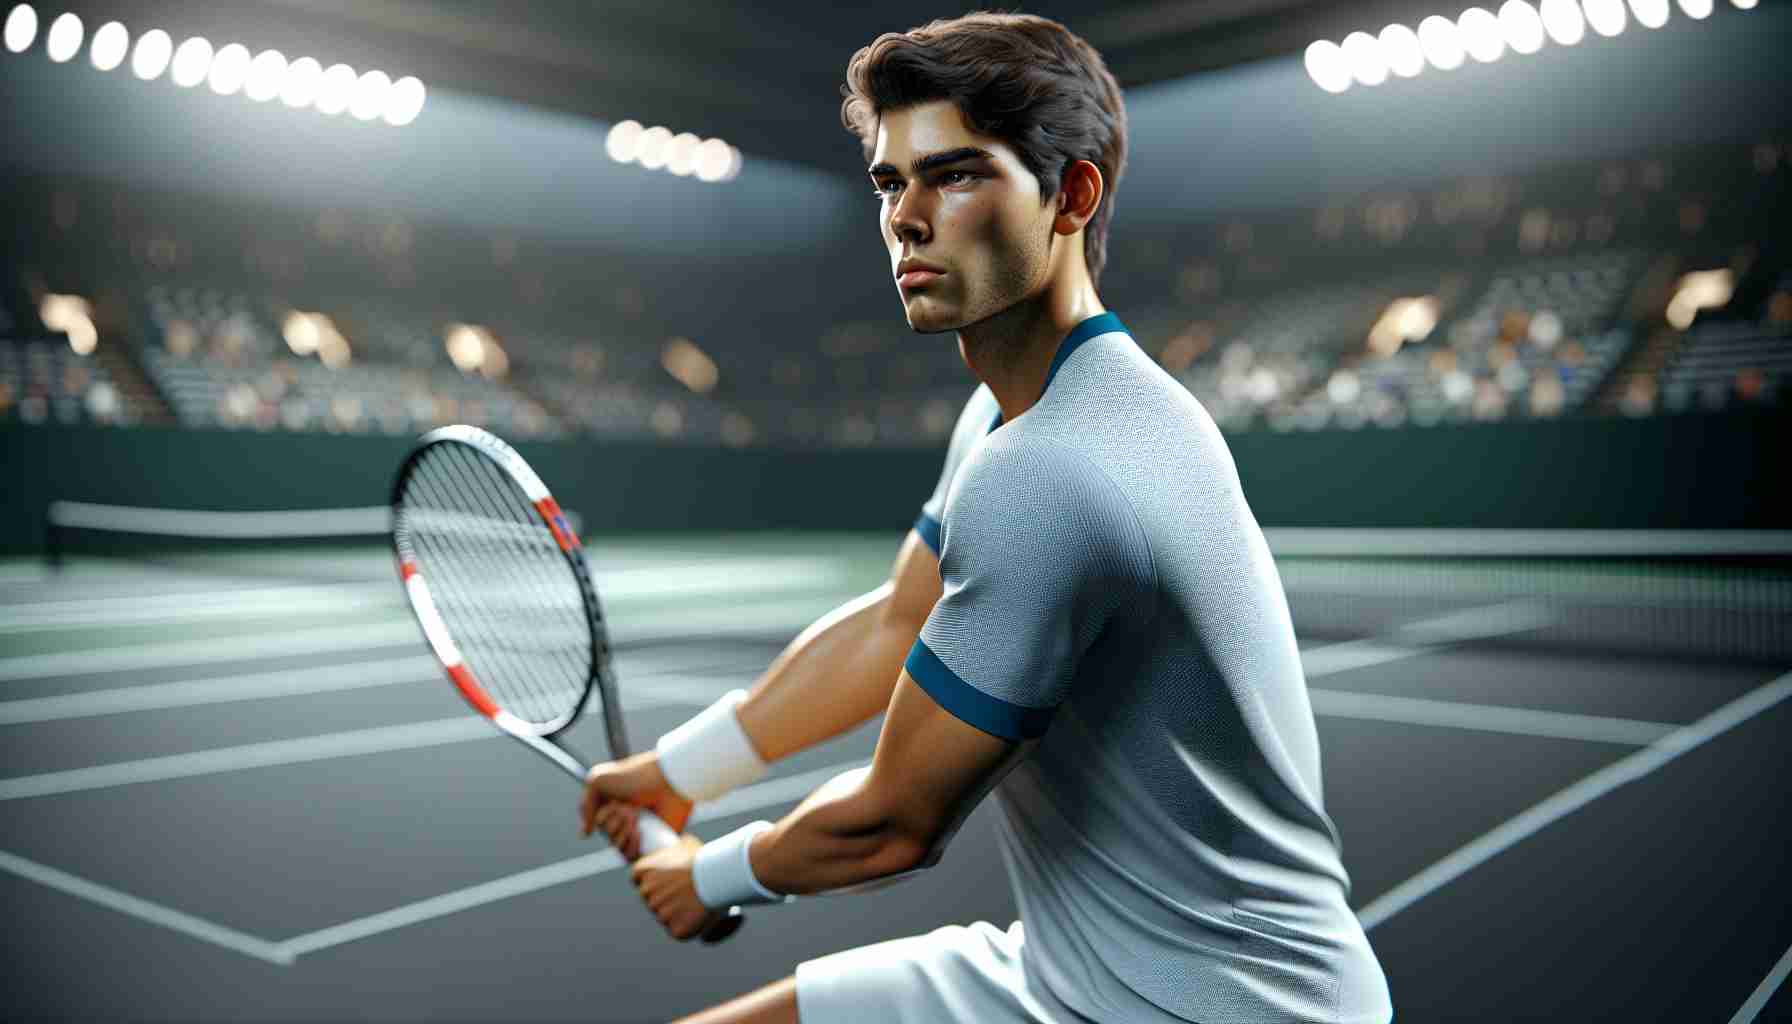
[657, 835]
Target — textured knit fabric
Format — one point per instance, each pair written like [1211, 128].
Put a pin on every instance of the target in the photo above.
[1108, 592]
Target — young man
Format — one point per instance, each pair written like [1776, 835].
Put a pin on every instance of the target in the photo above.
[1103, 639]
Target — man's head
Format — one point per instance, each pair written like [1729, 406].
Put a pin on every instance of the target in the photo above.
[1048, 126]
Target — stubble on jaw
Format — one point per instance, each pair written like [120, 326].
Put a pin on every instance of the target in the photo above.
[1006, 284]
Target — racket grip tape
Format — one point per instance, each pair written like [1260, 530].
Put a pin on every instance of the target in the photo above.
[657, 835]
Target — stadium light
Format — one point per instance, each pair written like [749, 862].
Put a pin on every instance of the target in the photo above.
[1521, 27]
[298, 86]
[1563, 21]
[369, 97]
[1481, 35]
[654, 143]
[63, 40]
[1442, 43]
[266, 73]
[21, 28]
[1325, 65]
[191, 60]
[109, 46]
[405, 101]
[1363, 56]
[150, 59]
[714, 158]
[1400, 45]
[229, 70]
[681, 154]
[684, 154]
[335, 89]
[623, 142]
[232, 69]
[1650, 13]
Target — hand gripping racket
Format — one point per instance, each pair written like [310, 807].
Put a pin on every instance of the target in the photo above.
[501, 588]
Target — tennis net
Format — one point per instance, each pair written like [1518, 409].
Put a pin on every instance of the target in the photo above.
[1707, 594]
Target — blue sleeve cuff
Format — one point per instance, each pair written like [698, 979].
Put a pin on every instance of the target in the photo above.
[929, 529]
[970, 705]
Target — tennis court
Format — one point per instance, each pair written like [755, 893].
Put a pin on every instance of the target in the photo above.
[235, 786]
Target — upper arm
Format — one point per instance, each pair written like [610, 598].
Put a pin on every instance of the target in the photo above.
[1041, 551]
[914, 582]
[931, 770]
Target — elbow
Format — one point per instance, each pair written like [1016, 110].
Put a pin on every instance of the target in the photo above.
[902, 853]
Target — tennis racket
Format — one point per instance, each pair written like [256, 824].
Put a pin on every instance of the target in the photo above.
[502, 590]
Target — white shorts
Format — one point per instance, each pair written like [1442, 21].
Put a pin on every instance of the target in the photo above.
[970, 975]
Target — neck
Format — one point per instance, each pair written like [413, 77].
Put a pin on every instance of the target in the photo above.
[1012, 351]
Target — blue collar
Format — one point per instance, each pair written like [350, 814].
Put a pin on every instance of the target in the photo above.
[1100, 323]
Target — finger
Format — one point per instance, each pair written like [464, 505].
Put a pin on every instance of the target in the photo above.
[587, 811]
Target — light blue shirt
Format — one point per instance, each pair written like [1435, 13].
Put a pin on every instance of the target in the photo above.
[1108, 593]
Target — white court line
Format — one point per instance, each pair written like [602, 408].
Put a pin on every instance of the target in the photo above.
[1475, 623]
[355, 742]
[704, 622]
[1351, 654]
[1487, 718]
[241, 647]
[739, 576]
[357, 675]
[1528, 823]
[144, 910]
[1764, 991]
[751, 798]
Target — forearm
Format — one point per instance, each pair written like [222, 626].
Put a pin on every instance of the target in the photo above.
[834, 839]
[834, 676]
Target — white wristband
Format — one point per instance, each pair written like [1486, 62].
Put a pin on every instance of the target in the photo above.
[710, 755]
[724, 875]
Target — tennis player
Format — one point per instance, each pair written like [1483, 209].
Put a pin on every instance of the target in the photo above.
[1103, 640]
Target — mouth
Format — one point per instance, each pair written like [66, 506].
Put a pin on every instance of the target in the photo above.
[916, 279]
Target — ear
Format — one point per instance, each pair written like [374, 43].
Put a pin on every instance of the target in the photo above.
[1079, 196]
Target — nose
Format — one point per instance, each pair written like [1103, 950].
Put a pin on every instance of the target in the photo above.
[906, 220]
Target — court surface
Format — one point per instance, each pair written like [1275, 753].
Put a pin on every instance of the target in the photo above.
[233, 792]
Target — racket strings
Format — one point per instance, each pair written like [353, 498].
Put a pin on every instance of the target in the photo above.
[506, 643]
[498, 666]
[500, 583]
[539, 679]
[462, 583]
[518, 559]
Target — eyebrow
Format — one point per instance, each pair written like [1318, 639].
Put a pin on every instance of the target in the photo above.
[933, 160]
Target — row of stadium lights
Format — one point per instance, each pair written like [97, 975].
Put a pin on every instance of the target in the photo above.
[1364, 59]
[683, 154]
[230, 69]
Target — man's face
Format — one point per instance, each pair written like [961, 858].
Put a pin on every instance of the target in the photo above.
[965, 204]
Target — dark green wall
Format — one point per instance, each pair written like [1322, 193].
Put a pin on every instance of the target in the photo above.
[1690, 471]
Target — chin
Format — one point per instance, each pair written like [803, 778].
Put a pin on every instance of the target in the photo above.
[927, 318]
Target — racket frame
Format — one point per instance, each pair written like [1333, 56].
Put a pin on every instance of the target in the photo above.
[543, 738]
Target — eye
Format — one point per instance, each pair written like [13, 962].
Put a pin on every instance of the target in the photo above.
[877, 188]
[966, 175]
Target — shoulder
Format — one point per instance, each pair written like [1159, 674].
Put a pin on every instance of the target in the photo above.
[1021, 484]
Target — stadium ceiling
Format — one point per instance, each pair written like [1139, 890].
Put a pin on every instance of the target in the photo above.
[765, 77]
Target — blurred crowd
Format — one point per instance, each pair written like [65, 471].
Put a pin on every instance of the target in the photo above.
[1572, 316]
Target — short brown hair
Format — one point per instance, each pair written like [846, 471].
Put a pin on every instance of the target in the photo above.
[1020, 78]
